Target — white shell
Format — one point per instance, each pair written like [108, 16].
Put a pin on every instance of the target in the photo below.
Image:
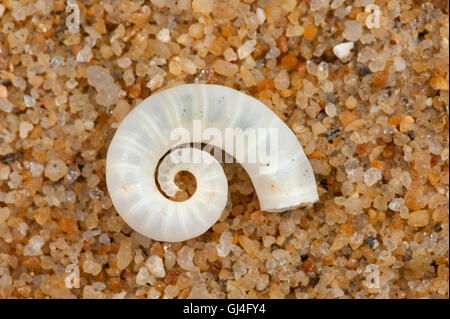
[142, 139]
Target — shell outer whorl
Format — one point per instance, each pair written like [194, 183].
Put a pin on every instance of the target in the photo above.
[147, 132]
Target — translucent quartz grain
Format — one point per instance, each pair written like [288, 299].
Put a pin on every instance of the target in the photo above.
[330, 110]
[163, 35]
[372, 176]
[282, 80]
[24, 129]
[246, 49]
[230, 55]
[225, 243]
[84, 55]
[107, 90]
[29, 100]
[185, 258]
[352, 30]
[225, 68]
[294, 31]
[319, 4]
[124, 255]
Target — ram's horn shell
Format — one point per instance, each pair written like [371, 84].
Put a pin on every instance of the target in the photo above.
[142, 140]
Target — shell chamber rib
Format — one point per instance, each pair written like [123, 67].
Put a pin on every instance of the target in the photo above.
[144, 137]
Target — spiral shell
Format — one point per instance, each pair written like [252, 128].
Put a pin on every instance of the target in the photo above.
[142, 140]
